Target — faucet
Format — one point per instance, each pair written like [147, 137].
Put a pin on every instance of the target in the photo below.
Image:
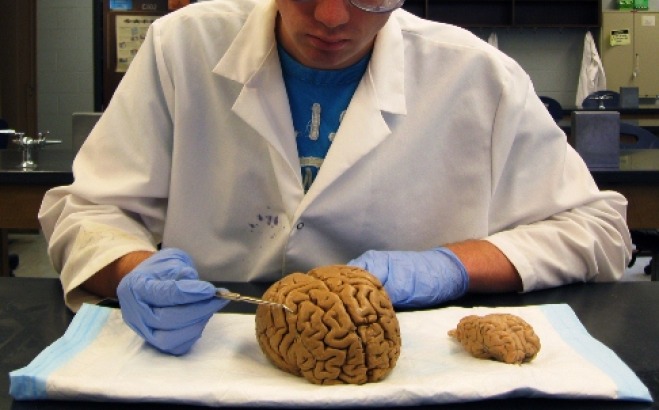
[601, 99]
[30, 146]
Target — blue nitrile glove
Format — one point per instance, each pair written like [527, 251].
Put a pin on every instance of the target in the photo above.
[417, 279]
[164, 301]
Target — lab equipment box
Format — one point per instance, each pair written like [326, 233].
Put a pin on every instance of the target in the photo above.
[596, 137]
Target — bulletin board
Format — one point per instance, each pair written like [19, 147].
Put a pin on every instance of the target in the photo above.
[124, 34]
[123, 27]
[130, 31]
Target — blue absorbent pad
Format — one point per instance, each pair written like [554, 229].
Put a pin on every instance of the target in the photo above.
[100, 358]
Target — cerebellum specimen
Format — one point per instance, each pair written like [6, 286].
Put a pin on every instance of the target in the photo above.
[499, 336]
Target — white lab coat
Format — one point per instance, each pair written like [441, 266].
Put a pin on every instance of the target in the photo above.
[493, 39]
[592, 77]
[444, 140]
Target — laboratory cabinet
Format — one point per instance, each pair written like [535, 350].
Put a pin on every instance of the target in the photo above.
[628, 44]
[509, 13]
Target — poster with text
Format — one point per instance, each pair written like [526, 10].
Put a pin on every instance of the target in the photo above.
[131, 32]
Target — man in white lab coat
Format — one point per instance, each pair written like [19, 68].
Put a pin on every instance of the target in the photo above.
[223, 144]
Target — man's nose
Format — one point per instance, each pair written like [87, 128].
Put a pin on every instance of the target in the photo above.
[332, 13]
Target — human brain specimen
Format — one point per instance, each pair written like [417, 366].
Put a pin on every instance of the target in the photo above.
[503, 337]
[342, 328]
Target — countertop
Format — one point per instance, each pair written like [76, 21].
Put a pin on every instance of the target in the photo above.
[622, 315]
[53, 168]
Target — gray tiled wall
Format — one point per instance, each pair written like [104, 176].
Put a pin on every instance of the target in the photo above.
[65, 64]
[551, 57]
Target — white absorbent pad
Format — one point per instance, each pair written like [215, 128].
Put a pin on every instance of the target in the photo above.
[100, 358]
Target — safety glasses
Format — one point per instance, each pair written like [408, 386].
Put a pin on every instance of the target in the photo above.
[372, 6]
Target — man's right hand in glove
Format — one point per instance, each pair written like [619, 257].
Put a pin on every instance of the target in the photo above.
[164, 301]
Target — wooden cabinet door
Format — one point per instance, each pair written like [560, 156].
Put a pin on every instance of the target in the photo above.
[18, 93]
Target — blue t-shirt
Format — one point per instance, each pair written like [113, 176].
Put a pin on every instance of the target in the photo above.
[318, 99]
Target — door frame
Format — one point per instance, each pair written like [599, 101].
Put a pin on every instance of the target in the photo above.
[18, 54]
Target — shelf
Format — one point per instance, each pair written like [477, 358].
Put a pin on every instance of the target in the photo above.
[477, 12]
[417, 7]
[509, 13]
[557, 13]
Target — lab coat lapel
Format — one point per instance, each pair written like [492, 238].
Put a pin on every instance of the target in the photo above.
[381, 92]
[263, 103]
[252, 61]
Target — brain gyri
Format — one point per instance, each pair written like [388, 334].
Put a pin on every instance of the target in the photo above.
[342, 328]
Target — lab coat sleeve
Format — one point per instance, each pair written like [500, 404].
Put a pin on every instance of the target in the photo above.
[547, 214]
[84, 236]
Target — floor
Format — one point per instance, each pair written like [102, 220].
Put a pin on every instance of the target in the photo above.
[33, 259]
[32, 255]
